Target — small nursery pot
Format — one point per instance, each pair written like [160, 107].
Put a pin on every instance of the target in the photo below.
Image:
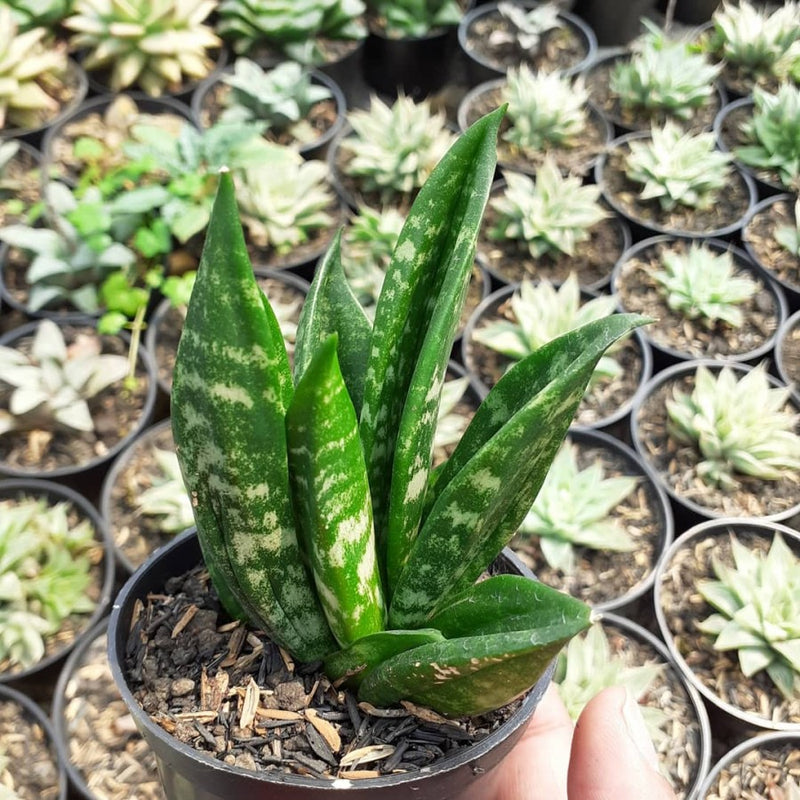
[634, 273]
[189, 775]
[614, 22]
[787, 352]
[37, 680]
[687, 561]
[38, 718]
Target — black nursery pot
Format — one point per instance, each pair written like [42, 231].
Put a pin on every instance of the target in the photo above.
[189, 775]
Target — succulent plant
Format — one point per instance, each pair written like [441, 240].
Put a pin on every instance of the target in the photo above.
[167, 498]
[38, 13]
[527, 26]
[788, 236]
[281, 97]
[738, 426]
[540, 314]
[153, 44]
[293, 27]
[414, 18]
[284, 203]
[69, 264]
[700, 284]
[31, 71]
[11, 203]
[587, 665]
[678, 169]
[52, 385]
[774, 134]
[758, 611]
[367, 245]
[450, 425]
[663, 75]
[44, 575]
[327, 525]
[573, 509]
[395, 147]
[544, 108]
[551, 215]
[753, 39]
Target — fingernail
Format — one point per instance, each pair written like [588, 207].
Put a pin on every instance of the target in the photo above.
[637, 730]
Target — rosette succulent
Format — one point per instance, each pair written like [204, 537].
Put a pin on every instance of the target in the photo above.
[166, 499]
[526, 27]
[316, 507]
[738, 426]
[414, 18]
[757, 605]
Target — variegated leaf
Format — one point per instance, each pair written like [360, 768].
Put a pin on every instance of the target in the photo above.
[231, 388]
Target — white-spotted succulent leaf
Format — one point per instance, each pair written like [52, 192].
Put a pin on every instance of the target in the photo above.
[758, 611]
[527, 27]
[739, 426]
[574, 509]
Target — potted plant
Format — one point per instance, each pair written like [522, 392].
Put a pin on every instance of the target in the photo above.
[548, 115]
[20, 182]
[405, 353]
[550, 227]
[667, 181]
[388, 154]
[158, 48]
[724, 597]
[707, 299]
[516, 320]
[618, 652]
[57, 578]
[301, 106]
[28, 760]
[69, 399]
[500, 35]
[722, 439]
[658, 78]
[602, 544]
[787, 352]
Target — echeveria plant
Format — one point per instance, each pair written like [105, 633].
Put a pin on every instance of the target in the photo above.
[317, 511]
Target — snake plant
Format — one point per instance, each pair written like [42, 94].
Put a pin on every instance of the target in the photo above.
[318, 513]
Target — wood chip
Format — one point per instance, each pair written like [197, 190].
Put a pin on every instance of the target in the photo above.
[213, 690]
[426, 714]
[362, 774]
[325, 729]
[364, 755]
[202, 716]
[287, 660]
[249, 705]
[185, 619]
[368, 708]
[234, 646]
[277, 713]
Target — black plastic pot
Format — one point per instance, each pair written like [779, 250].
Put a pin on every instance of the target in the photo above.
[728, 720]
[189, 775]
[687, 512]
[692, 12]
[614, 22]
[37, 680]
[663, 354]
[315, 149]
[790, 329]
[35, 714]
[478, 69]
[642, 228]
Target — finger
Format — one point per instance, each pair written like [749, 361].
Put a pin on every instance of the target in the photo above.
[613, 757]
[536, 769]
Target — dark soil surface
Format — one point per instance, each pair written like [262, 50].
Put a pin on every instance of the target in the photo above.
[759, 233]
[760, 772]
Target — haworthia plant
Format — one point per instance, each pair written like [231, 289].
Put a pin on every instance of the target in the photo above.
[318, 512]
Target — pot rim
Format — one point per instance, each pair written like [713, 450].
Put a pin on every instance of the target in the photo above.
[789, 324]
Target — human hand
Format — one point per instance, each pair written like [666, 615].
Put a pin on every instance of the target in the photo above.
[608, 755]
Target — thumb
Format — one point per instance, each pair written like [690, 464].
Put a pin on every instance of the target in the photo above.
[612, 755]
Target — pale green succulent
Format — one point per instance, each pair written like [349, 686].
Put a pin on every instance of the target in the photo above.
[285, 202]
[541, 313]
[544, 108]
[573, 509]
[551, 214]
[167, 498]
[663, 75]
[528, 26]
[739, 426]
[395, 147]
[677, 168]
[52, 385]
[758, 605]
[154, 44]
[587, 666]
[415, 18]
[293, 27]
[281, 97]
[701, 284]
[367, 246]
[44, 575]
[450, 425]
[38, 13]
[774, 134]
[30, 74]
[788, 236]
